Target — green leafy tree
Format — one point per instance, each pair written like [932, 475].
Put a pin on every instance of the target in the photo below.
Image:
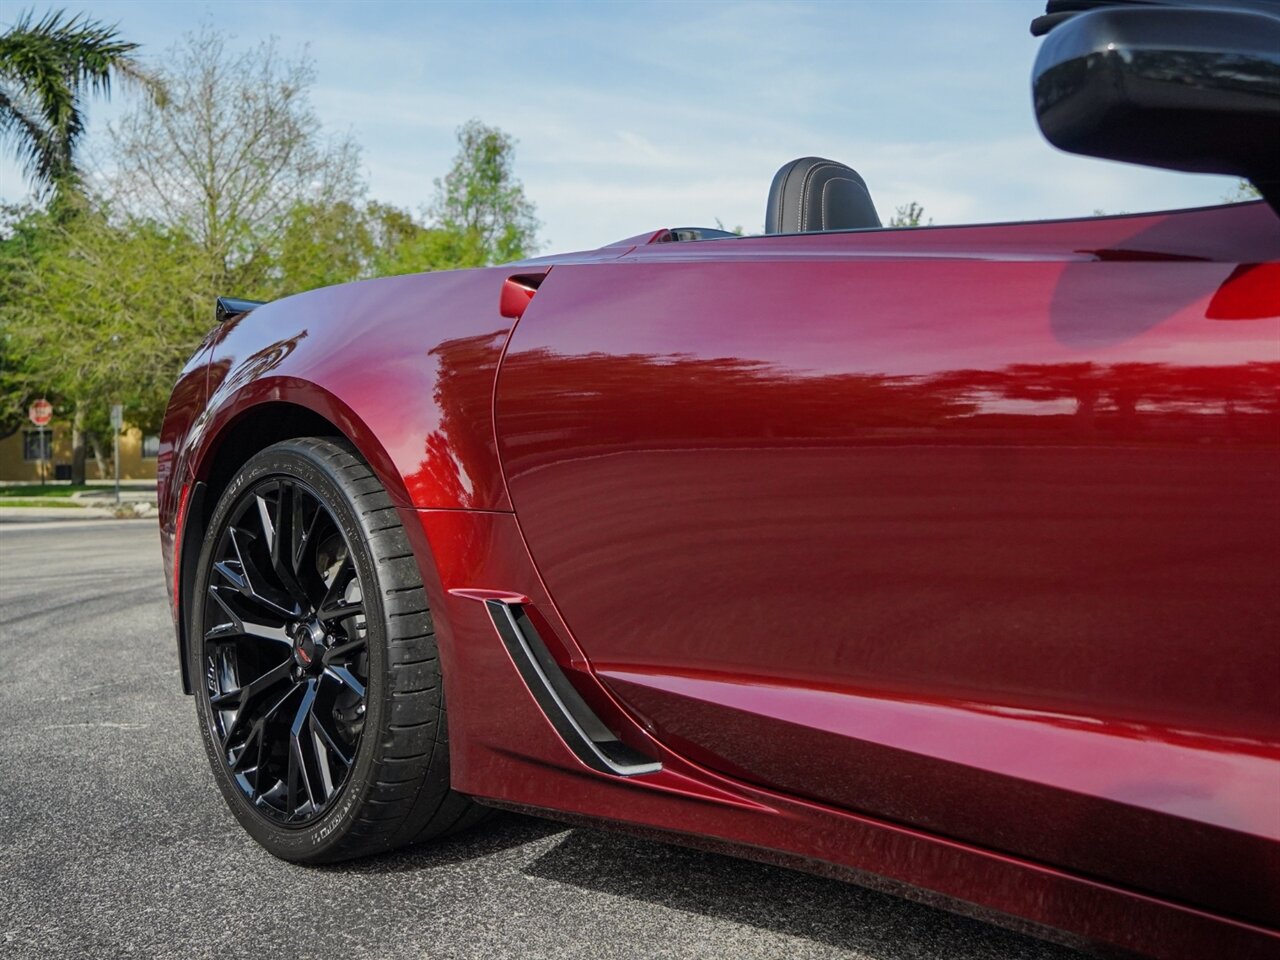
[1244, 191]
[106, 314]
[909, 215]
[204, 200]
[480, 208]
[395, 235]
[46, 68]
[325, 243]
[234, 188]
[23, 235]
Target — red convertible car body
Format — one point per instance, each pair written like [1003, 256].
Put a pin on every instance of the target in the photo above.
[945, 559]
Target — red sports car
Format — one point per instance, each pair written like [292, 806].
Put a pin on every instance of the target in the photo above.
[942, 559]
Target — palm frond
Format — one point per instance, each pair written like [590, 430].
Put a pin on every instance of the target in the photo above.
[49, 64]
[30, 140]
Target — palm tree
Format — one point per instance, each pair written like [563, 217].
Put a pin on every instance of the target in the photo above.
[45, 68]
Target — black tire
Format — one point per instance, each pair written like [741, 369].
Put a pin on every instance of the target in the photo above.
[361, 691]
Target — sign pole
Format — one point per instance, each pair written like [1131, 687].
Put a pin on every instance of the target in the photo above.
[40, 413]
[117, 422]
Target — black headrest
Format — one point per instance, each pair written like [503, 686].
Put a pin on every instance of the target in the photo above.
[815, 194]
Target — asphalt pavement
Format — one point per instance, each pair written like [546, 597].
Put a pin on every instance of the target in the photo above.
[115, 842]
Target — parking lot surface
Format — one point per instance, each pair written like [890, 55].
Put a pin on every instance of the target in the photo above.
[114, 840]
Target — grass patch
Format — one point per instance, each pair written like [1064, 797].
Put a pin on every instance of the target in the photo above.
[27, 491]
[51, 502]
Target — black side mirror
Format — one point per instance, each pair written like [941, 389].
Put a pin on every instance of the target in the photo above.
[1182, 87]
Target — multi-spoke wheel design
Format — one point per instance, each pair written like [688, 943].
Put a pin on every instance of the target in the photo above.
[286, 663]
[314, 663]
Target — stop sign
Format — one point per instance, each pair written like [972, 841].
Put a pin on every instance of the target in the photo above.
[40, 412]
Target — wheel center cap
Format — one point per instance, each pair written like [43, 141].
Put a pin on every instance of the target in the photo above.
[308, 644]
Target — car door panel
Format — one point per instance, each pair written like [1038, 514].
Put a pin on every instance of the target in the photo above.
[846, 519]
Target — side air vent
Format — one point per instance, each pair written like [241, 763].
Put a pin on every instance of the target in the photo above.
[585, 733]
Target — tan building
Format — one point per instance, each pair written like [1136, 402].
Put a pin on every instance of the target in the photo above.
[26, 453]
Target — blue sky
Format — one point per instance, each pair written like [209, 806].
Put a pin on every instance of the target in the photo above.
[633, 116]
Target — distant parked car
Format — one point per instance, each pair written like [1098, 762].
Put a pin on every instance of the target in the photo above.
[942, 559]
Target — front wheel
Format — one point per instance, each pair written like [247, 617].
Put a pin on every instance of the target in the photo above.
[317, 680]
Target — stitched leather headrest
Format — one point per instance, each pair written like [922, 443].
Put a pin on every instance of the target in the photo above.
[813, 194]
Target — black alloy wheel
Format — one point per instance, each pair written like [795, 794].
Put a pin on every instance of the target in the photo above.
[315, 661]
[286, 664]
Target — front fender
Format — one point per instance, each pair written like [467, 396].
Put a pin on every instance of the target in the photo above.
[403, 366]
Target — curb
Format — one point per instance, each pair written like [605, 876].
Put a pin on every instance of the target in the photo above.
[9, 527]
[56, 514]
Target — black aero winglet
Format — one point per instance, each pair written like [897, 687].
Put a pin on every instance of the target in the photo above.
[227, 307]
